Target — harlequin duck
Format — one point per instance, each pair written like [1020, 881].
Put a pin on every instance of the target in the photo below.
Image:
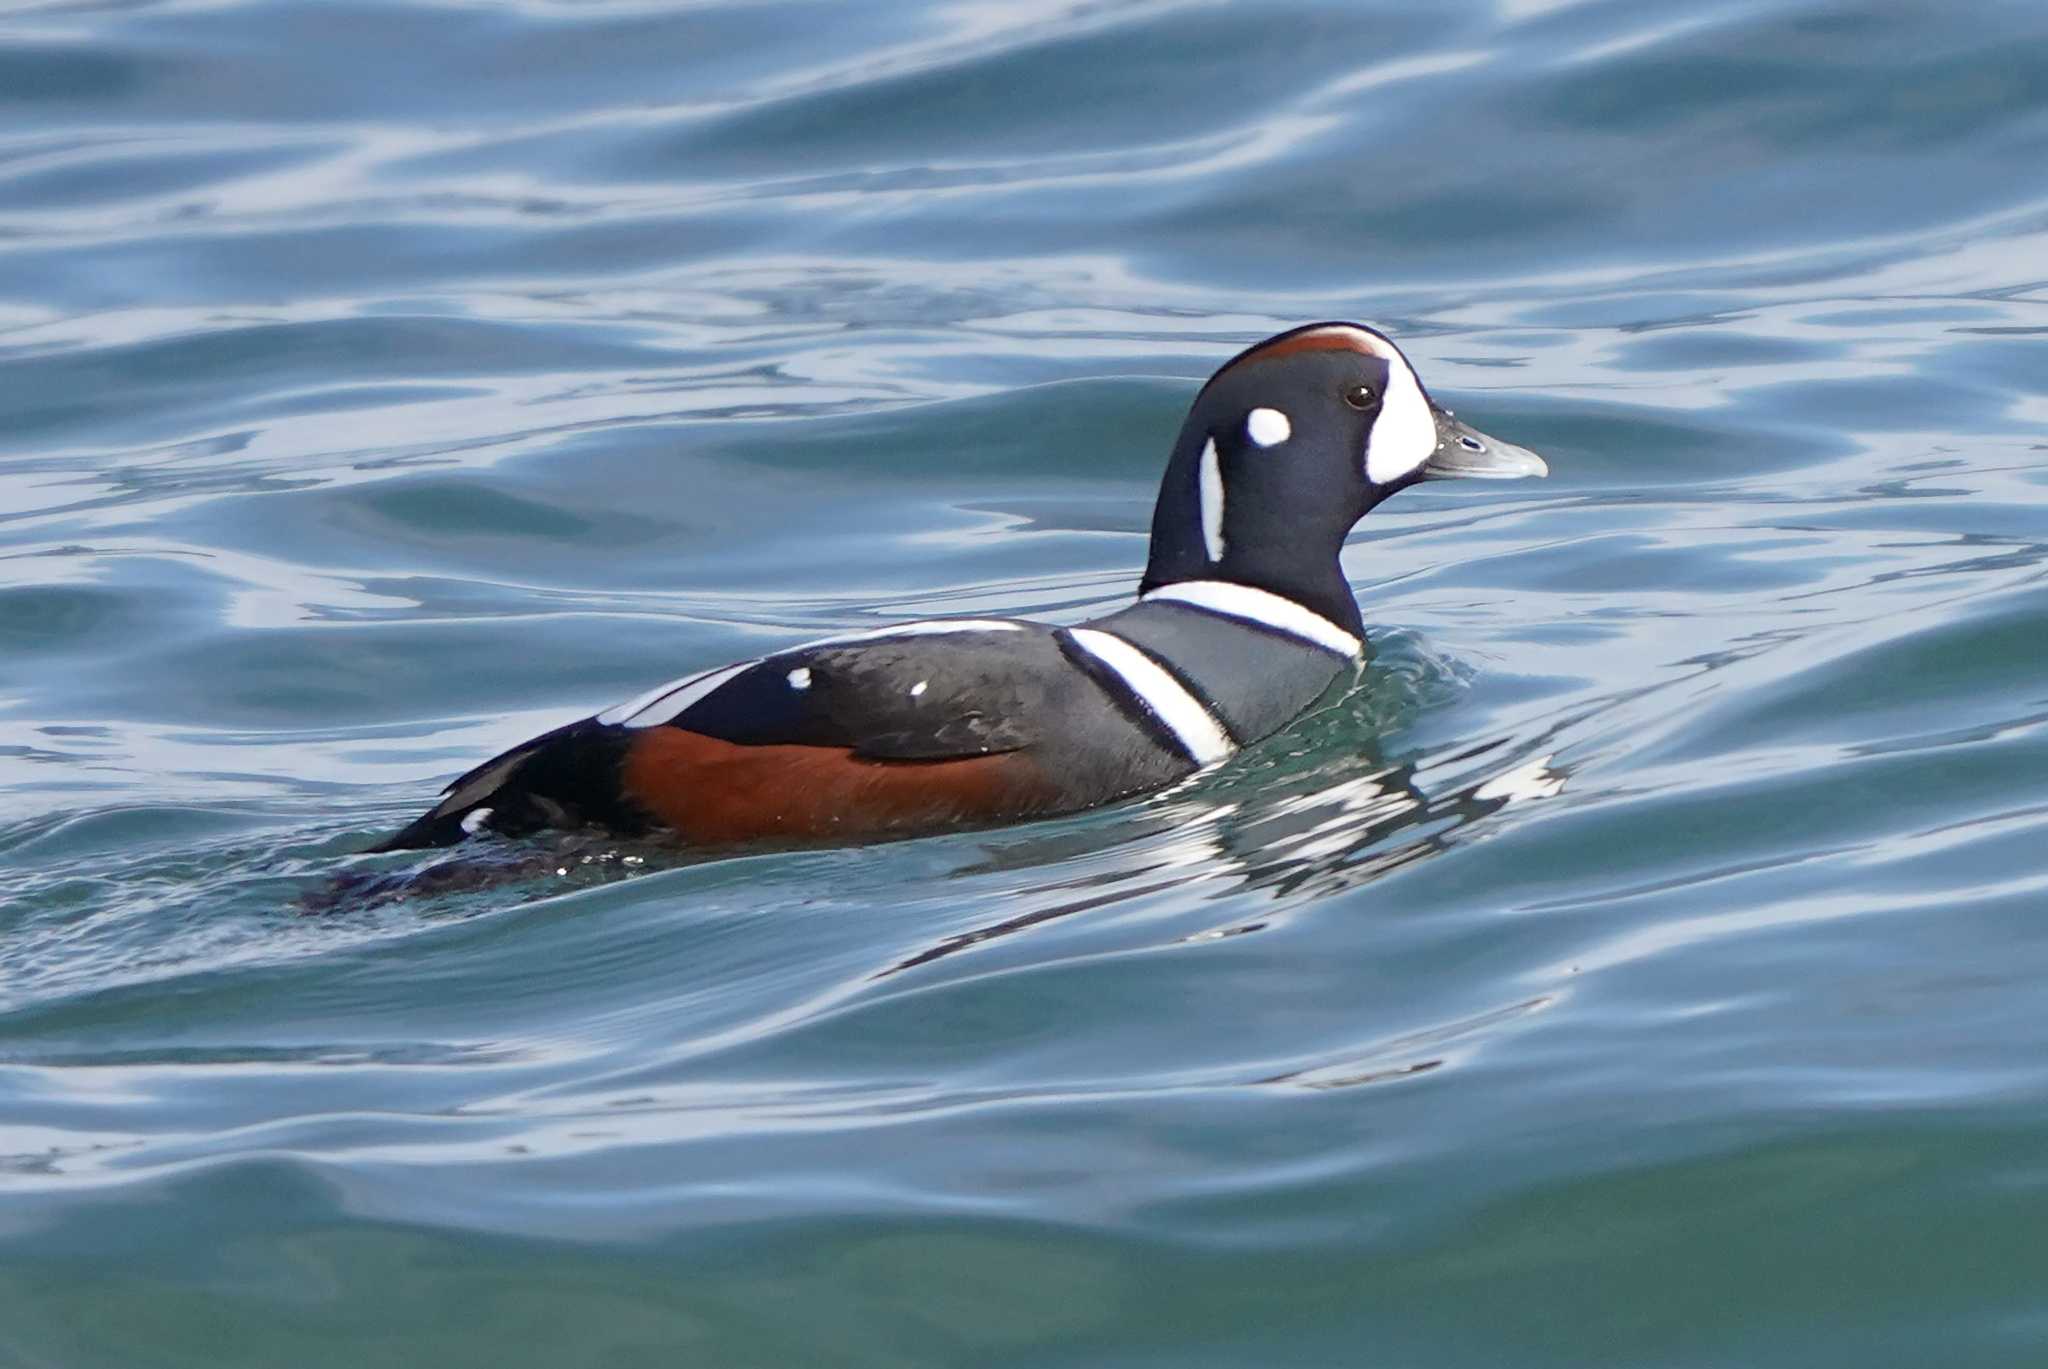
[1242, 620]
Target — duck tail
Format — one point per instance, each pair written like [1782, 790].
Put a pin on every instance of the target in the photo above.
[565, 778]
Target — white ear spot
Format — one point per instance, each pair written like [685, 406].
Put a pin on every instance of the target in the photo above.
[1212, 501]
[1267, 427]
[800, 678]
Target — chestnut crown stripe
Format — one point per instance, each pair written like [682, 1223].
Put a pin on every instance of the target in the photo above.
[1322, 337]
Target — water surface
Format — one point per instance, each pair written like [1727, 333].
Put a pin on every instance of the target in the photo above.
[1640, 966]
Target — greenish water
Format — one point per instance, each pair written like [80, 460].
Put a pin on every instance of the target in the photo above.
[1643, 967]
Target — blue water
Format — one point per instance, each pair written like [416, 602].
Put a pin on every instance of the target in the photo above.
[1642, 967]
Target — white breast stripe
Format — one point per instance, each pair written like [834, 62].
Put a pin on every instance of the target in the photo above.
[1264, 608]
[1212, 501]
[652, 710]
[1191, 723]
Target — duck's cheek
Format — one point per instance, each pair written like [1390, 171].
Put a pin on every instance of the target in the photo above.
[1403, 433]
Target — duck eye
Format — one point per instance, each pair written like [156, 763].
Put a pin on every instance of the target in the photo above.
[1360, 396]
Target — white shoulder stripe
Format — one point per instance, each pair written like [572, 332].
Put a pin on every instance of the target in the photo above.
[658, 706]
[1262, 607]
[1190, 721]
[923, 627]
[618, 713]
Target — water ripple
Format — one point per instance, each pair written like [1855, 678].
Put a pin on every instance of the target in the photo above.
[384, 383]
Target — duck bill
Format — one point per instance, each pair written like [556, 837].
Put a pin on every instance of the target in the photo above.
[1465, 453]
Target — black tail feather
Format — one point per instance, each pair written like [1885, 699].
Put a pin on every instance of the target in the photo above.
[425, 832]
[565, 778]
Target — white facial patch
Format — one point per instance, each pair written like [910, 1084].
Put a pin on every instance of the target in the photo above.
[1404, 434]
[1267, 427]
[800, 678]
[1212, 501]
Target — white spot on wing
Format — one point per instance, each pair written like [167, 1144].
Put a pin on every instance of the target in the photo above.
[1267, 427]
[1264, 608]
[1212, 501]
[665, 702]
[1185, 716]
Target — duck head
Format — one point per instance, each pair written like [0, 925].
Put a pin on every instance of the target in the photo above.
[1292, 442]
